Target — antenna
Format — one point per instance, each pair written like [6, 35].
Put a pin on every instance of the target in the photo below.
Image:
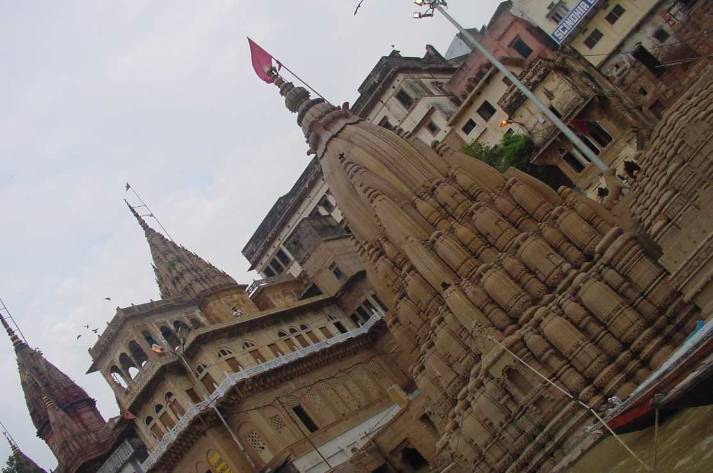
[145, 206]
[5, 312]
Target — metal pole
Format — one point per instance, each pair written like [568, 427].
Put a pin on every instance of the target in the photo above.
[435, 4]
[304, 434]
[215, 409]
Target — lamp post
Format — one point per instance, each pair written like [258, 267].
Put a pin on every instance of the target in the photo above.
[438, 5]
[178, 353]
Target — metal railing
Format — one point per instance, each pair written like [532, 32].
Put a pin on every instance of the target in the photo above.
[231, 380]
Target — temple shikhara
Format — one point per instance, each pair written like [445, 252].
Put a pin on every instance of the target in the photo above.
[418, 309]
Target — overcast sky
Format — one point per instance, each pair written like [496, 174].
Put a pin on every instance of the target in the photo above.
[159, 93]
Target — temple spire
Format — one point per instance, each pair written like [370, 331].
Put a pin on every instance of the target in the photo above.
[140, 219]
[16, 341]
[26, 464]
[179, 272]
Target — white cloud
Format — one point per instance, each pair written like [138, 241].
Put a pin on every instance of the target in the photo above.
[161, 94]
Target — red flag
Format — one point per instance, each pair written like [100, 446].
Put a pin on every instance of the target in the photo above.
[262, 61]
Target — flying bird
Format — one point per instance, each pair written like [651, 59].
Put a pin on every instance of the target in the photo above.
[107, 298]
[86, 326]
[358, 7]
[95, 330]
[79, 336]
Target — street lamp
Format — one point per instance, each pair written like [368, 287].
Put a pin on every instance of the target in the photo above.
[178, 353]
[440, 5]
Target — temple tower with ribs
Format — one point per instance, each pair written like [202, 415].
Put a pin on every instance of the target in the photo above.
[65, 417]
[463, 254]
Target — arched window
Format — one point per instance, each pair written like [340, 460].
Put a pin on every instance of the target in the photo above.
[128, 366]
[206, 378]
[164, 416]
[174, 405]
[294, 331]
[170, 337]
[181, 328]
[149, 338]
[118, 378]
[224, 352]
[200, 369]
[248, 345]
[304, 327]
[138, 353]
[155, 429]
[282, 334]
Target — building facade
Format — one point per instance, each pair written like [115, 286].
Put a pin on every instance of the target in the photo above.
[295, 372]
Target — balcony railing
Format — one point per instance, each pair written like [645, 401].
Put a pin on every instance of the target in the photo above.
[232, 379]
[258, 283]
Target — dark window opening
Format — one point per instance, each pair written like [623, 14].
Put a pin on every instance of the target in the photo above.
[649, 61]
[383, 468]
[193, 395]
[661, 35]
[305, 418]
[404, 99]
[268, 272]
[614, 15]
[282, 256]
[593, 38]
[340, 326]
[555, 111]
[507, 81]
[336, 271]
[469, 126]
[433, 128]
[521, 47]
[486, 111]
[385, 123]
[599, 134]
[589, 144]
[573, 162]
[657, 108]
[413, 458]
[356, 320]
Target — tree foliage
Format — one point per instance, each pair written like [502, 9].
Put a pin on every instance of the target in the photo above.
[14, 465]
[515, 150]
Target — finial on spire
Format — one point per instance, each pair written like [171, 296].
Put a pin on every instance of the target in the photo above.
[16, 342]
[13, 445]
[139, 218]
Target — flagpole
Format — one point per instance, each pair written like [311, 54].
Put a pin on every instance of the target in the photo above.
[301, 80]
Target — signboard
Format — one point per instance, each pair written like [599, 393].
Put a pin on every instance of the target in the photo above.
[217, 464]
[573, 19]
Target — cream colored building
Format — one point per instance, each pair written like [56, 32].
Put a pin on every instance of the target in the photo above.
[594, 28]
[221, 380]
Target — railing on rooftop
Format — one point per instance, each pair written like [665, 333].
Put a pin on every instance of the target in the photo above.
[232, 379]
[258, 283]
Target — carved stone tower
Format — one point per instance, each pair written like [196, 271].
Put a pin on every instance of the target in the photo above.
[65, 417]
[182, 274]
[463, 256]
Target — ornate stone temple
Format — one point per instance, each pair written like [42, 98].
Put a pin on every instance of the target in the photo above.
[476, 267]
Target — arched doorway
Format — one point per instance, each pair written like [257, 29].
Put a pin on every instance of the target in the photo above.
[413, 460]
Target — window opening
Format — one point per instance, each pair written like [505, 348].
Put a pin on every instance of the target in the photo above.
[275, 349]
[593, 38]
[469, 126]
[649, 61]
[305, 418]
[433, 128]
[174, 405]
[521, 47]
[257, 356]
[340, 327]
[302, 340]
[661, 35]
[404, 99]
[336, 271]
[573, 162]
[325, 331]
[486, 110]
[192, 395]
[614, 14]
[311, 335]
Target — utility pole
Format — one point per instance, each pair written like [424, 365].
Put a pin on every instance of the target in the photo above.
[196, 382]
[438, 5]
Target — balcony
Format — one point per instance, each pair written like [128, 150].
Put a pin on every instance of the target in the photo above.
[232, 380]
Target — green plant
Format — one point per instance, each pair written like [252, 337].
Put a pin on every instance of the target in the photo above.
[515, 150]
